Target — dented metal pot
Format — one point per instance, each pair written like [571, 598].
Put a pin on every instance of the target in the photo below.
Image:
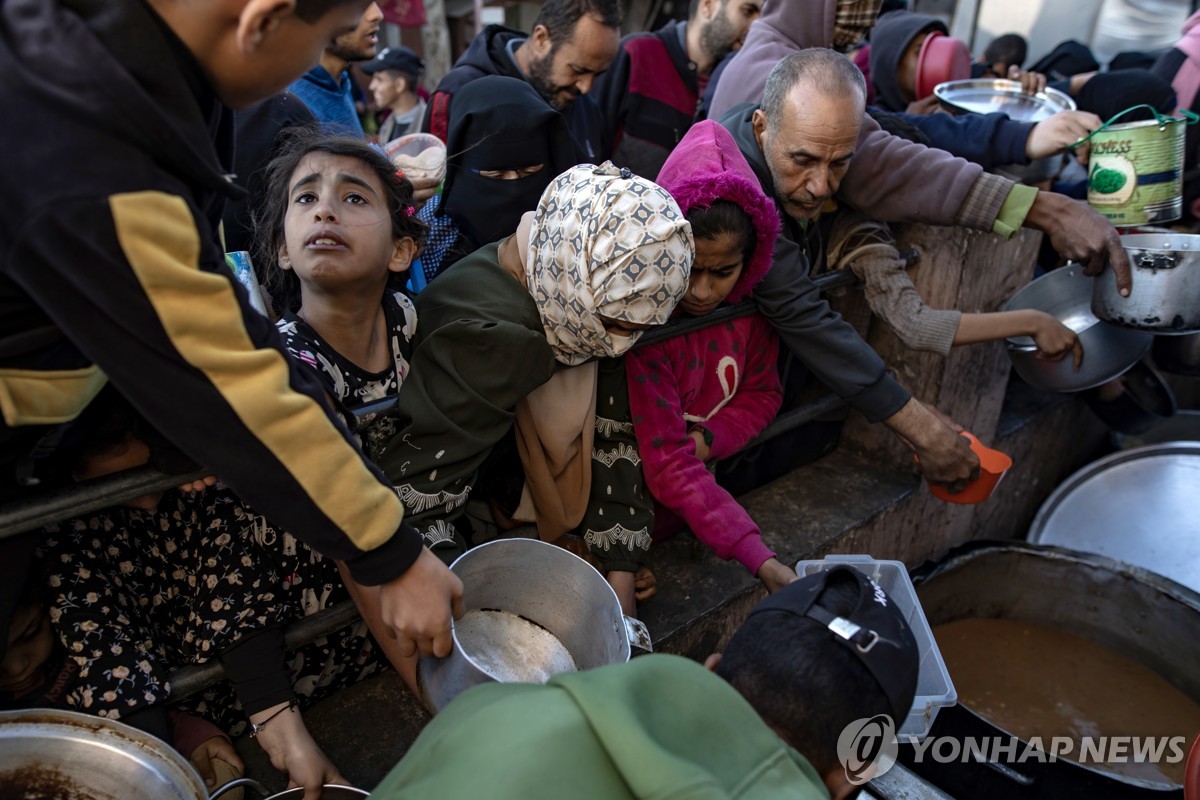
[1166, 286]
[532, 610]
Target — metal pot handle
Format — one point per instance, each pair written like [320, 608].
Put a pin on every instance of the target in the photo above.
[638, 635]
[235, 783]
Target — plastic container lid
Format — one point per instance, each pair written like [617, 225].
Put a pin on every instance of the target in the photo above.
[934, 688]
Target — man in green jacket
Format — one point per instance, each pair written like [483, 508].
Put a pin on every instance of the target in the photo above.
[762, 721]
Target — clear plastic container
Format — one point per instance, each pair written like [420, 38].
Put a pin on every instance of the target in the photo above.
[934, 689]
[419, 155]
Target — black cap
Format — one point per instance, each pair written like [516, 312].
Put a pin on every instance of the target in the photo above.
[876, 631]
[398, 59]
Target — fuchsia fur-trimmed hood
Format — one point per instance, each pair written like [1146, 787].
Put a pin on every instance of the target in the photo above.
[706, 166]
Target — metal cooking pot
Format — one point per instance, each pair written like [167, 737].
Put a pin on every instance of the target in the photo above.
[1147, 618]
[1178, 354]
[329, 791]
[1166, 285]
[1108, 350]
[66, 755]
[549, 600]
[1146, 401]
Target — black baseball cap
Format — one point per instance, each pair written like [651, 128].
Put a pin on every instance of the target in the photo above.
[398, 59]
[876, 631]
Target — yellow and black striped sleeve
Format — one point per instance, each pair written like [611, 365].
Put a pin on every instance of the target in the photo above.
[134, 284]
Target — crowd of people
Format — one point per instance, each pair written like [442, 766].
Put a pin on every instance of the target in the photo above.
[595, 187]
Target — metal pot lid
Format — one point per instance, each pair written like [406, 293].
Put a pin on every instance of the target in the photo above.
[1137, 506]
[989, 95]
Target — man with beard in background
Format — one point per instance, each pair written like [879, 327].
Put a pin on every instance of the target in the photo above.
[572, 42]
[649, 95]
[325, 88]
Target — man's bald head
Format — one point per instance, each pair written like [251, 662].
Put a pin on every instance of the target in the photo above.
[824, 71]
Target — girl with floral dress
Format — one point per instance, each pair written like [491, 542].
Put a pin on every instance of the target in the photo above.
[181, 578]
[341, 250]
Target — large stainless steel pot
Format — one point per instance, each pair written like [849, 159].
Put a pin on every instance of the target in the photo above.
[64, 755]
[1166, 285]
[1147, 618]
[1108, 350]
[556, 600]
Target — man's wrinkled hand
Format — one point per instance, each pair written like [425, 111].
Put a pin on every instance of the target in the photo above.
[1080, 234]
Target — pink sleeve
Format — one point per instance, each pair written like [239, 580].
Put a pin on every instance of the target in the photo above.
[674, 475]
[758, 397]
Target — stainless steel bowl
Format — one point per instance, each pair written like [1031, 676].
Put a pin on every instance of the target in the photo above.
[989, 95]
[70, 756]
[1108, 350]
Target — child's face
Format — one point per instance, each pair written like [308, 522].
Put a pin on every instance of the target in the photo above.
[30, 642]
[715, 272]
[337, 229]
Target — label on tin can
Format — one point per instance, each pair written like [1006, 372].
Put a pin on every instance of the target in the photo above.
[1135, 172]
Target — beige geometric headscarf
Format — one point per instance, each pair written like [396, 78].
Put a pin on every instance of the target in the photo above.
[605, 243]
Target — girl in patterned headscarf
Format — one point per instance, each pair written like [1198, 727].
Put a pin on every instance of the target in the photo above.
[605, 256]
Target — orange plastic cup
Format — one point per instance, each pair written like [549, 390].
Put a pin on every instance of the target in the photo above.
[992, 466]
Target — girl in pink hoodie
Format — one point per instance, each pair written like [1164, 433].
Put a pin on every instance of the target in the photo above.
[701, 396]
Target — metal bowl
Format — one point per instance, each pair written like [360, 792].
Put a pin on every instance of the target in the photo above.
[1108, 350]
[989, 95]
[70, 756]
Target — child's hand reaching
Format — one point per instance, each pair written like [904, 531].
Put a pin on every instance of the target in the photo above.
[217, 761]
[198, 485]
[775, 575]
[291, 749]
[1054, 340]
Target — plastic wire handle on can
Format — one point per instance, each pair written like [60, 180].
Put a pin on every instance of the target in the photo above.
[1163, 120]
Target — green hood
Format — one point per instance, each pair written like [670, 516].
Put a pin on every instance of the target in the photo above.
[660, 727]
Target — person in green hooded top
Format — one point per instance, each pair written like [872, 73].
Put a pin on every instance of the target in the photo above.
[760, 722]
[518, 350]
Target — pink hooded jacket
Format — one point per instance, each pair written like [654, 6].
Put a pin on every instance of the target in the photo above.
[723, 377]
